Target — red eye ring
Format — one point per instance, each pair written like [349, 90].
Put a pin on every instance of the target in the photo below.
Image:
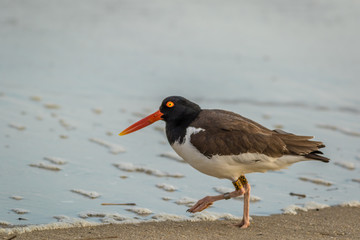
[170, 104]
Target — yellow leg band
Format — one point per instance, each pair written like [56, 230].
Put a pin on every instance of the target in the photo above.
[243, 180]
[237, 184]
[240, 182]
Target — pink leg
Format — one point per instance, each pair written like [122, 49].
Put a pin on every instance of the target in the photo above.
[243, 189]
[208, 201]
[246, 218]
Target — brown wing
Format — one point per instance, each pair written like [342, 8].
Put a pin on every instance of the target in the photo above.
[227, 133]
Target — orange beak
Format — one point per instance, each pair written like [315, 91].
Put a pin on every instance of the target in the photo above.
[156, 116]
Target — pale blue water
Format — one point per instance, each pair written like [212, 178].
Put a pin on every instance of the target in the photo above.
[294, 64]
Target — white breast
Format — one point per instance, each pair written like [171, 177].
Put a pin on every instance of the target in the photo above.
[229, 166]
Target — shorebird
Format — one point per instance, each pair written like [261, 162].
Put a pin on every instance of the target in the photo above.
[226, 145]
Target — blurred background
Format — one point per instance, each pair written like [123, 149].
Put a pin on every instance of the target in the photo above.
[72, 71]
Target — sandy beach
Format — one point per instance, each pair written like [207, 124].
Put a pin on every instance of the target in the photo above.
[330, 223]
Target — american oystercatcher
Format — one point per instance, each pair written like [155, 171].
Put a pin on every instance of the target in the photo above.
[226, 145]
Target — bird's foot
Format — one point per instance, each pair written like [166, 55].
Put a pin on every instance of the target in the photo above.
[201, 204]
[244, 224]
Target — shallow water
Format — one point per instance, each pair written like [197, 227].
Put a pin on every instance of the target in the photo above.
[72, 72]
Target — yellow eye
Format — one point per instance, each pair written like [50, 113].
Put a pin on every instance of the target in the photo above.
[170, 104]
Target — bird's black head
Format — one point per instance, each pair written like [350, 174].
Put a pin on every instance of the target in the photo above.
[177, 112]
[176, 109]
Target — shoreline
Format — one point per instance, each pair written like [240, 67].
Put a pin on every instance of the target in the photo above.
[333, 222]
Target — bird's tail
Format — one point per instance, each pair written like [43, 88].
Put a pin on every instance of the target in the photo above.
[313, 155]
[301, 145]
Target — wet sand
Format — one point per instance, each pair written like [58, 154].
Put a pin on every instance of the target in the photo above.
[330, 223]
